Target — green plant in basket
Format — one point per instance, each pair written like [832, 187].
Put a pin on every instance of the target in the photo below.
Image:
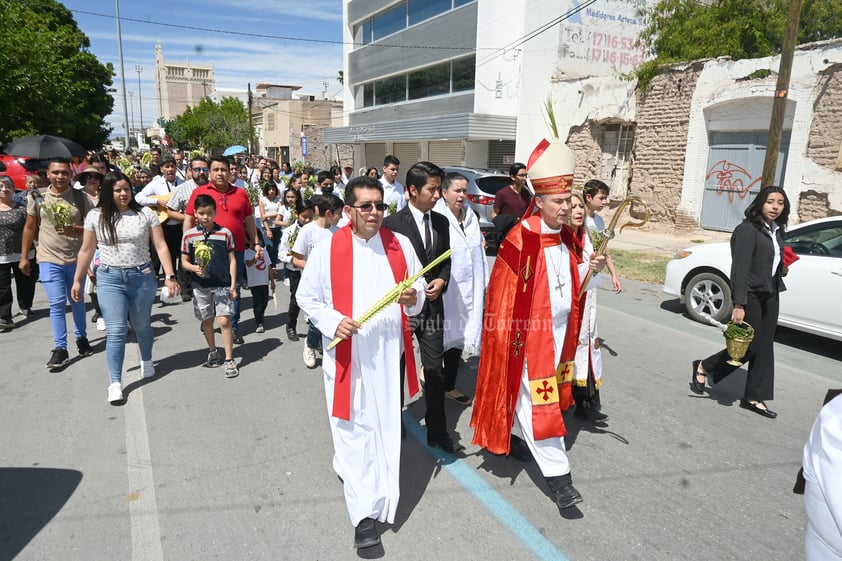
[734, 331]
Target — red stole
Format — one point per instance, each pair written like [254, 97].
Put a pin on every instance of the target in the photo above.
[342, 291]
[530, 336]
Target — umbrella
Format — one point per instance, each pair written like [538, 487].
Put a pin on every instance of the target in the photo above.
[45, 146]
[236, 149]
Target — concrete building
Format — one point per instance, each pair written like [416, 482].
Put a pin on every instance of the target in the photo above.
[180, 84]
[422, 83]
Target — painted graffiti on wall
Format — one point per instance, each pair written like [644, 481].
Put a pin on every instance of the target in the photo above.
[731, 180]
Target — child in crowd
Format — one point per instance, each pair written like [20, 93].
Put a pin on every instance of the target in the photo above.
[596, 197]
[304, 212]
[328, 213]
[287, 214]
[260, 277]
[207, 251]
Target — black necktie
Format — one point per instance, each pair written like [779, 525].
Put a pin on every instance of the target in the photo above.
[428, 238]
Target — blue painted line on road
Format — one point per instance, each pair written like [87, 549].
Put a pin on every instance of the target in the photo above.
[499, 507]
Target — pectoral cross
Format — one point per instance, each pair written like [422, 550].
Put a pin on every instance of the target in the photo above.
[558, 286]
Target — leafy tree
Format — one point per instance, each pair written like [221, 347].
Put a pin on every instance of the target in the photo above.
[52, 84]
[685, 30]
[210, 125]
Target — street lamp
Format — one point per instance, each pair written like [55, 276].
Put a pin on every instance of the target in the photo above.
[138, 68]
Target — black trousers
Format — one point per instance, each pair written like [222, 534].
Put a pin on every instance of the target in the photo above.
[259, 301]
[172, 235]
[24, 284]
[429, 331]
[762, 314]
[294, 310]
[452, 360]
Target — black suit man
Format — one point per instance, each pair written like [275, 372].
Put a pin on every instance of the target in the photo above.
[429, 233]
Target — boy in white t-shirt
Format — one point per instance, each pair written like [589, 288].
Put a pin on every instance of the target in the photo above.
[304, 212]
[328, 213]
[261, 279]
[596, 197]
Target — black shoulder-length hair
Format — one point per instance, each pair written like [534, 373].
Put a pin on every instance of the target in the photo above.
[109, 214]
[754, 212]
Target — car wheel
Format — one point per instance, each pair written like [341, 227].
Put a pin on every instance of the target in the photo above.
[709, 294]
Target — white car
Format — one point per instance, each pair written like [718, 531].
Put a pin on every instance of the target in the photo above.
[812, 301]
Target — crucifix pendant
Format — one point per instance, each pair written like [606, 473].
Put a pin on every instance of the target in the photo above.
[559, 286]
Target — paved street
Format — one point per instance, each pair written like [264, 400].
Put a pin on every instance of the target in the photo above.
[198, 467]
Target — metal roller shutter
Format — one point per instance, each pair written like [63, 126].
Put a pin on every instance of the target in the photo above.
[446, 152]
[407, 152]
[374, 154]
[501, 155]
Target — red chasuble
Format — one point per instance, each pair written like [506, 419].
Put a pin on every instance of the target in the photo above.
[518, 327]
[342, 291]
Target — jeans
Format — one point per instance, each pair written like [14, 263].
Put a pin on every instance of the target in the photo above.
[25, 285]
[314, 337]
[241, 267]
[57, 281]
[126, 295]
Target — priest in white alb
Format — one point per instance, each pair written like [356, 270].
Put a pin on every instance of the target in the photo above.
[344, 277]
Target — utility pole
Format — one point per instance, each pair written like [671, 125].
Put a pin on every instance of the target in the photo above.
[776, 123]
[251, 125]
[123, 78]
[138, 68]
[131, 106]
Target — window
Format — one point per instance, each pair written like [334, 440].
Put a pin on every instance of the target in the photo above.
[822, 239]
[457, 3]
[390, 21]
[430, 81]
[463, 74]
[420, 10]
[366, 26]
[390, 90]
[368, 95]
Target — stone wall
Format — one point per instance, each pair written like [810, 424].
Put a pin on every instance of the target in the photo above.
[585, 140]
[661, 139]
[826, 128]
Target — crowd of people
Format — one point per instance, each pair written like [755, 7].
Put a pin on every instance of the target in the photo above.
[202, 229]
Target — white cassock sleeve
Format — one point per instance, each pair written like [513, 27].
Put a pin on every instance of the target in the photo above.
[823, 497]
[314, 292]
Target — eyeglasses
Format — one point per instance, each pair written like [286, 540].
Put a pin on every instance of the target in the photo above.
[4, 185]
[368, 207]
[522, 175]
[200, 170]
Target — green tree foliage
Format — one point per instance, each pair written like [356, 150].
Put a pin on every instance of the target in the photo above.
[686, 30]
[52, 84]
[212, 126]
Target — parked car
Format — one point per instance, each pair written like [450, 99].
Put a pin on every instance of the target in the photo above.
[699, 277]
[483, 185]
[18, 168]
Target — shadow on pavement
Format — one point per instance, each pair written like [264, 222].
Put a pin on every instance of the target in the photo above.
[31, 498]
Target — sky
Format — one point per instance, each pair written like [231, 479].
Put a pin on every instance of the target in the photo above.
[224, 36]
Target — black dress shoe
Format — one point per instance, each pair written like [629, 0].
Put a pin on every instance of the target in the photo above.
[696, 386]
[291, 334]
[566, 496]
[365, 534]
[444, 442]
[590, 414]
[519, 450]
[768, 413]
[238, 339]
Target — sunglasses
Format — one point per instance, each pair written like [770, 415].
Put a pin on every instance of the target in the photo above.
[200, 170]
[368, 207]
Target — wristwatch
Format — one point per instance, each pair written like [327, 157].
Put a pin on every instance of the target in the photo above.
[171, 277]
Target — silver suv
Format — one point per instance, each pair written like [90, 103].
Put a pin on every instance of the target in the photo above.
[483, 185]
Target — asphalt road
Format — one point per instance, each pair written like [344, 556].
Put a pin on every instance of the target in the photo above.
[198, 467]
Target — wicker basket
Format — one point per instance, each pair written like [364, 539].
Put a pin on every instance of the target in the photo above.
[738, 346]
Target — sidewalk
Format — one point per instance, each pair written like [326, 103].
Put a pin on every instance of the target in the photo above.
[650, 240]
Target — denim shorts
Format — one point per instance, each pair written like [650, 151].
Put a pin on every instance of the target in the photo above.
[212, 302]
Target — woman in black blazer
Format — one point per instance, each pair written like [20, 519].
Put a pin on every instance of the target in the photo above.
[757, 269]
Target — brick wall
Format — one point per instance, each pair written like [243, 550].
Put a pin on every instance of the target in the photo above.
[826, 128]
[585, 141]
[660, 141]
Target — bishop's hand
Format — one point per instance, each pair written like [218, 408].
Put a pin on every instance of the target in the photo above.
[408, 297]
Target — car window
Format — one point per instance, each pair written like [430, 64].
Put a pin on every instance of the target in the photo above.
[493, 183]
[2, 166]
[821, 239]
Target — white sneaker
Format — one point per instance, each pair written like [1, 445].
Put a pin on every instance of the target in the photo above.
[115, 392]
[100, 324]
[147, 369]
[309, 356]
[286, 282]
